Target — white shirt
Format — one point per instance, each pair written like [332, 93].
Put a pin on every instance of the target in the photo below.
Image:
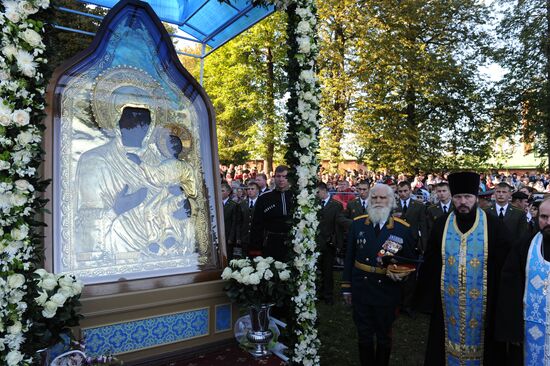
[406, 203]
[225, 201]
[445, 207]
[498, 207]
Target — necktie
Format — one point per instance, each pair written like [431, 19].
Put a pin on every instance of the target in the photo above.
[323, 203]
[501, 215]
[444, 209]
[404, 210]
[376, 229]
[251, 204]
[364, 206]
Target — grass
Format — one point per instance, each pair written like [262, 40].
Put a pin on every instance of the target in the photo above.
[339, 338]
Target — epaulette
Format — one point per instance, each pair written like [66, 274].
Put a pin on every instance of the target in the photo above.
[432, 205]
[515, 208]
[361, 217]
[401, 221]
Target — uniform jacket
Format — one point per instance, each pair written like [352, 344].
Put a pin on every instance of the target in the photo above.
[244, 222]
[330, 233]
[514, 219]
[433, 212]
[230, 220]
[354, 209]
[416, 217]
[364, 246]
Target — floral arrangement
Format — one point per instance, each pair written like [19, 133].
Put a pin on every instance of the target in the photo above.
[33, 309]
[257, 281]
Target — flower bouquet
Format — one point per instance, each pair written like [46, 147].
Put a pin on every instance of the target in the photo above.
[259, 284]
[253, 282]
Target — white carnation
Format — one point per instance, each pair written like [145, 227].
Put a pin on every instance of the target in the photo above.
[26, 63]
[16, 280]
[21, 117]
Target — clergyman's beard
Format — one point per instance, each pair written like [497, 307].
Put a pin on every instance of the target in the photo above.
[546, 233]
[378, 215]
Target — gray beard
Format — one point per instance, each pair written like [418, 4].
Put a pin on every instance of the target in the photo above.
[378, 215]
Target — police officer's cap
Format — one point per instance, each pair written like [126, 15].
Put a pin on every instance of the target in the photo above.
[519, 195]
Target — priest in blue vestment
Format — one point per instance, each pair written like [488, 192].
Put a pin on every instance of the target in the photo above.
[524, 313]
[459, 280]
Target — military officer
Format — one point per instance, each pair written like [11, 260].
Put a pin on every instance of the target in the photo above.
[514, 218]
[329, 237]
[373, 289]
[443, 206]
[245, 214]
[229, 218]
[413, 212]
[358, 206]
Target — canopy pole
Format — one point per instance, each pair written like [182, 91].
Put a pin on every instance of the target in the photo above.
[203, 51]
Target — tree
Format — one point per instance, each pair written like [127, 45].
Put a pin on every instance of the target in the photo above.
[245, 80]
[522, 98]
[337, 30]
[420, 104]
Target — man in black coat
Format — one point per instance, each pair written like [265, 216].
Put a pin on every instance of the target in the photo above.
[245, 215]
[272, 221]
[329, 237]
[229, 218]
[473, 231]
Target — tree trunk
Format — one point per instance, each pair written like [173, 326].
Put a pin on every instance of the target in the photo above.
[269, 140]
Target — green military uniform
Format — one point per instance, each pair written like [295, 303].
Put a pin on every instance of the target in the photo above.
[356, 207]
[329, 237]
[433, 212]
[514, 219]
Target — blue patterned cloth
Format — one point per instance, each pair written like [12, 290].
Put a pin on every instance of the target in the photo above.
[535, 309]
[463, 289]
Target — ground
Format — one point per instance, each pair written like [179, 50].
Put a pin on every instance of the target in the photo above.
[339, 338]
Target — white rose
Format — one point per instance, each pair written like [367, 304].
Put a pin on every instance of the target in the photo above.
[254, 279]
[226, 274]
[5, 119]
[27, 8]
[58, 299]
[13, 358]
[18, 199]
[12, 15]
[41, 272]
[48, 282]
[66, 291]
[23, 185]
[16, 280]
[284, 275]
[44, 4]
[280, 265]
[42, 298]
[20, 233]
[65, 281]
[50, 308]
[268, 274]
[4, 165]
[9, 51]
[20, 117]
[15, 328]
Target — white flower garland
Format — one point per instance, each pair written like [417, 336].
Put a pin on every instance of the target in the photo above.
[21, 109]
[306, 350]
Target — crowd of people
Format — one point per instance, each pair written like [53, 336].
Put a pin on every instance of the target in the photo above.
[457, 246]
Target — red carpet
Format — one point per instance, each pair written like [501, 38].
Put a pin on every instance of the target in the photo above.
[229, 356]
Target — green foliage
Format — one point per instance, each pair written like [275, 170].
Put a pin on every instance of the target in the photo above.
[246, 82]
[403, 78]
[522, 103]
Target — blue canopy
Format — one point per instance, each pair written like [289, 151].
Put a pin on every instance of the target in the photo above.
[208, 21]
